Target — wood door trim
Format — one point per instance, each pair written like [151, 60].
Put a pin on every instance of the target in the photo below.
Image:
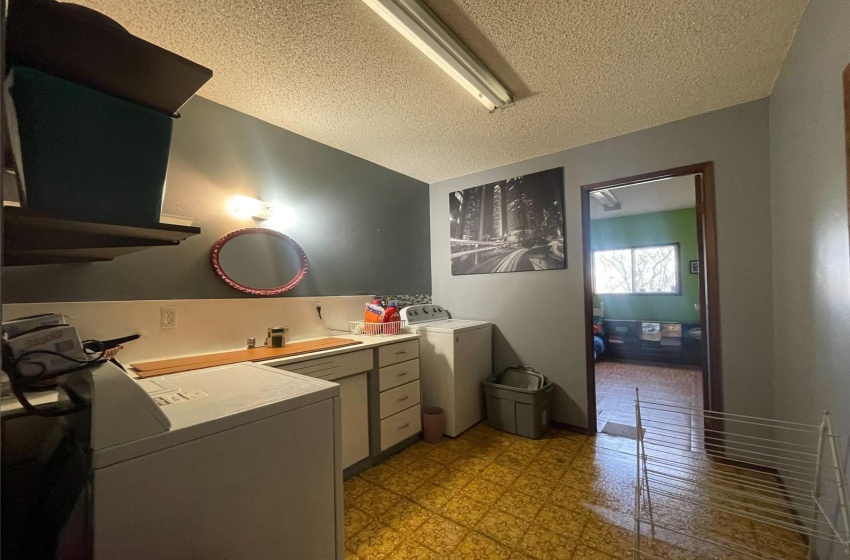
[712, 291]
[846, 80]
[590, 361]
[709, 292]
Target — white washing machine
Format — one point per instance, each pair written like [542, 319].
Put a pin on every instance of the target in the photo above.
[455, 356]
[249, 468]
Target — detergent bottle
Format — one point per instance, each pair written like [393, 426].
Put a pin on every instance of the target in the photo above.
[391, 316]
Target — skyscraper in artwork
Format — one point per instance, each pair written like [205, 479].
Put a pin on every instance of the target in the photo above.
[471, 213]
[498, 230]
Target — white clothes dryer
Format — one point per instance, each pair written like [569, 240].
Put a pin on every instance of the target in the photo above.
[455, 356]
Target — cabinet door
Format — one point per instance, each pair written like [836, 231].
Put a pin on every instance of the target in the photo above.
[354, 398]
[473, 353]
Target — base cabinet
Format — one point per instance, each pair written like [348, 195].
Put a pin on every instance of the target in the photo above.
[399, 407]
[379, 397]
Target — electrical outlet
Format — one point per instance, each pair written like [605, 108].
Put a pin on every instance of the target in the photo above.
[167, 317]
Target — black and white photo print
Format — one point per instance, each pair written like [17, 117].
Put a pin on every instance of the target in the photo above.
[509, 226]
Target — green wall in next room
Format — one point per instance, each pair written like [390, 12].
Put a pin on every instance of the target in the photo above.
[658, 228]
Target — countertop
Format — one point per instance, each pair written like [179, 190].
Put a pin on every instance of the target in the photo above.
[367, 342]
[10, 404]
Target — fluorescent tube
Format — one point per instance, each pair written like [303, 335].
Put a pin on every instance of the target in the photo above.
[419, 25]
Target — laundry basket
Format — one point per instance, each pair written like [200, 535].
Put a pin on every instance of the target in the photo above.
[518, 401]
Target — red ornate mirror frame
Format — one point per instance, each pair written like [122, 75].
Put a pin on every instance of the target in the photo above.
[215, 258]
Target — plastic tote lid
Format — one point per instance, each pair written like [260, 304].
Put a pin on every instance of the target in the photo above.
[522, 377]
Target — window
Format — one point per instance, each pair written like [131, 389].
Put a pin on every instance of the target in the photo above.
[637, 270]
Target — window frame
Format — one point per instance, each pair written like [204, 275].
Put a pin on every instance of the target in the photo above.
[631, 249]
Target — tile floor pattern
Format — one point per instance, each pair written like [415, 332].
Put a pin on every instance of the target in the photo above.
[616, 382]
[492, 495]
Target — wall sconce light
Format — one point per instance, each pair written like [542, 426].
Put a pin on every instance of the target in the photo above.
[244, 207]
[276, 216]
[281, 218]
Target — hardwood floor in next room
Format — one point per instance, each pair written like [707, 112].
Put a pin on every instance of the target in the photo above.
[615, 392]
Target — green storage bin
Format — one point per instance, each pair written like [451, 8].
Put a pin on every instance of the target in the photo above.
[85, 155]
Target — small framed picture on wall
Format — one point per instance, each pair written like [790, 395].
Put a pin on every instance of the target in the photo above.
[694, 267]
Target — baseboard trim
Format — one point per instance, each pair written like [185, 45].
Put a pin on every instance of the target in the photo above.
[371, 461]
[570, 427]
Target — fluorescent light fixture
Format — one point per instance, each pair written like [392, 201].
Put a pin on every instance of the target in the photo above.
[606, 199]
[419, 25]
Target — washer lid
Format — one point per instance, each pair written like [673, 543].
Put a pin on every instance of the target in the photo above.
[204, 402]
[450, 325]
[205, 395]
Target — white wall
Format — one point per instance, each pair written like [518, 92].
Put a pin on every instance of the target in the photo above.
[811, 276]
[203, 325]
[539, 316]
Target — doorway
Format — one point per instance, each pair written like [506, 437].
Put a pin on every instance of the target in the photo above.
[673, 347]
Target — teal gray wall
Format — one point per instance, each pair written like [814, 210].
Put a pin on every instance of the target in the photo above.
[811, 270]
[657, 228]
[539, 316]
[364, 227]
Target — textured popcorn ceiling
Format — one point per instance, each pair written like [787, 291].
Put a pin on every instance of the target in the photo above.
[582, 70]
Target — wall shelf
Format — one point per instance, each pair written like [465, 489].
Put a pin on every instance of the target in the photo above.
[31, 238]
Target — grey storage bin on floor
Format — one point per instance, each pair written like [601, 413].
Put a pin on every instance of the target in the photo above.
[518, 401]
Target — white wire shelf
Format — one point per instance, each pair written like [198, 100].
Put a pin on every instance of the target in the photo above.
[377, 329]
[701, 476]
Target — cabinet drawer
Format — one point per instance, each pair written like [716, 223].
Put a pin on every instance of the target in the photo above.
[398, 374]
[400, 426]
[398, 352]
[400, 398]
[333, 366]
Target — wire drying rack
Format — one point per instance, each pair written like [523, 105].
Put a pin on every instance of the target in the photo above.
[734, 486]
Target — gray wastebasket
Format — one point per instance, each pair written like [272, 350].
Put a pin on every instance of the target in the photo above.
[518, 401]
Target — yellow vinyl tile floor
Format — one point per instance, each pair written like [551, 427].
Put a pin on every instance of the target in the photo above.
[492, 495]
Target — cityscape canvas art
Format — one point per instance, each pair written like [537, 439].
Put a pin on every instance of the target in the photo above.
[509, 226]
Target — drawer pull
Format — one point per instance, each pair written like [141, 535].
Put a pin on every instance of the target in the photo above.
[401, 352]
[404, 426]
[317, 364]
[402, 374]
[404, 398]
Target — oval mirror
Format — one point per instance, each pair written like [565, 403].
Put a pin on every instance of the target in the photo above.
[259, 261]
